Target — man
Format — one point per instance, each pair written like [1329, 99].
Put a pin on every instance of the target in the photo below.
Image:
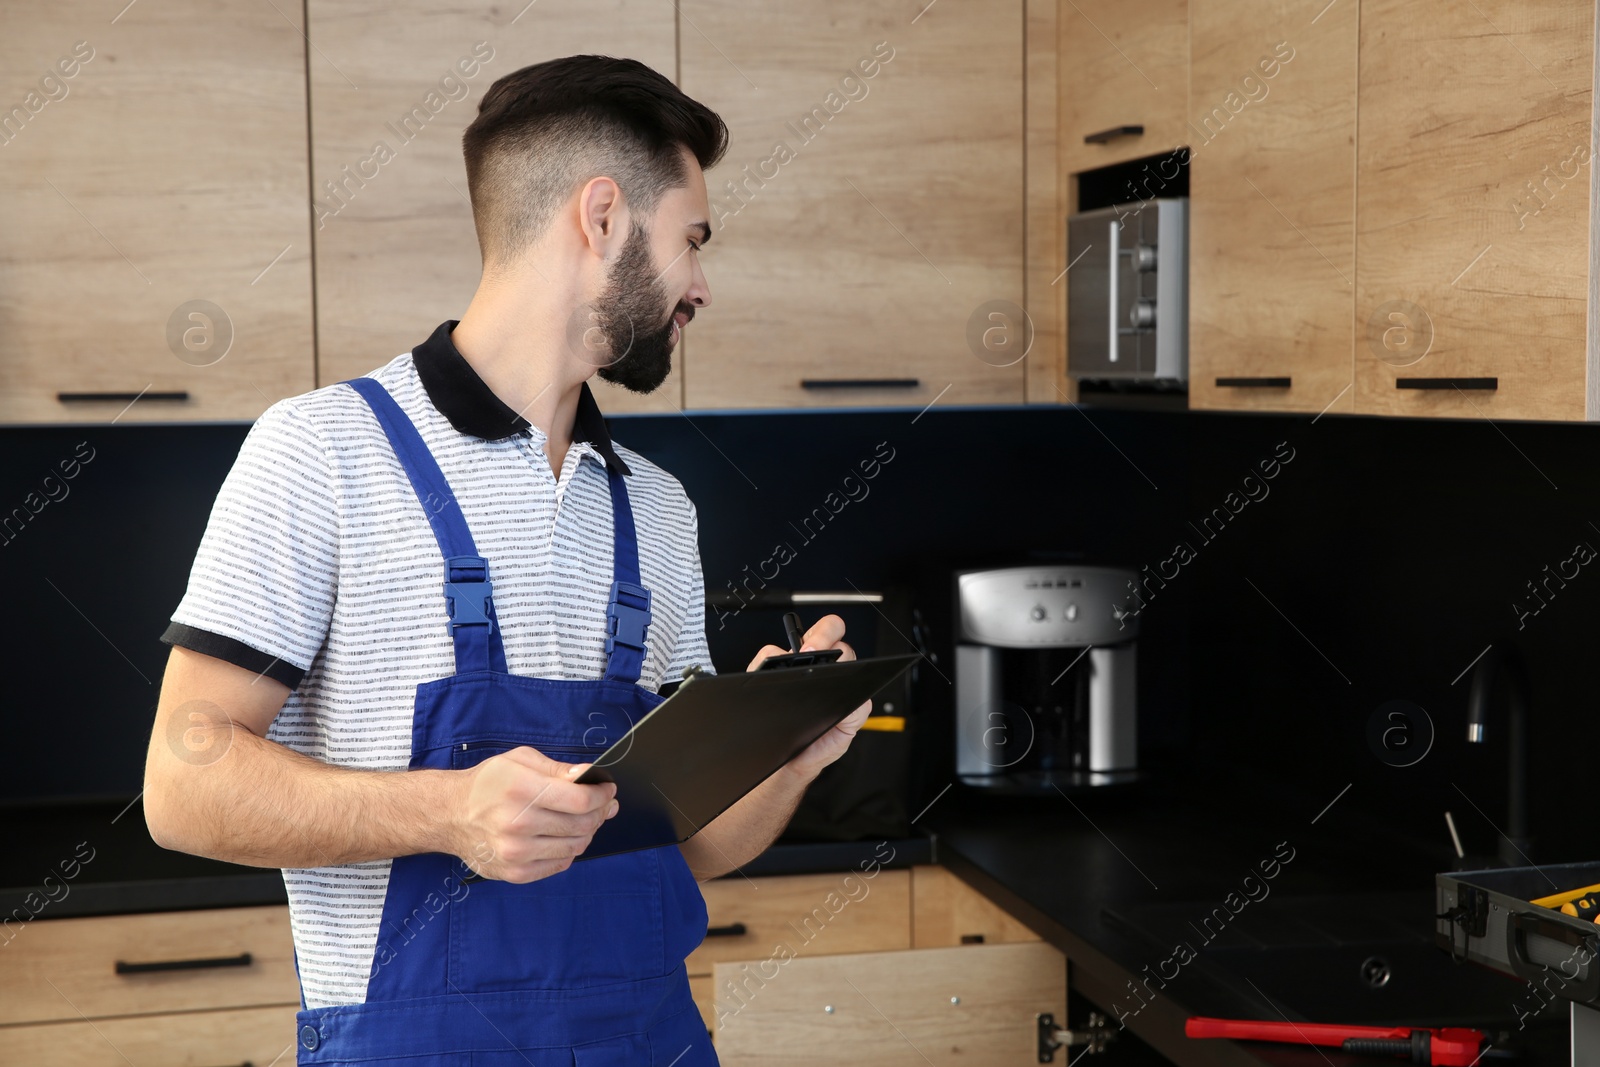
[417, 607]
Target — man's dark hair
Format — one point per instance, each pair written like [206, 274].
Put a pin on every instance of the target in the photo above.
[543, 131]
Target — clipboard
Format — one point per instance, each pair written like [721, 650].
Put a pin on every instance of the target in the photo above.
[718, 737]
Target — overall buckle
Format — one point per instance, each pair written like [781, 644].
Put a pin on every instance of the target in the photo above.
[627, 615]
[467, 591]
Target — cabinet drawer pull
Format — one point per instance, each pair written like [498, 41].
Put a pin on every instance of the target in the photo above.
[1253, 383]
[241, 960]
[68, 398]
[1107, 136]
[860, 383]
[1447, 383]
[731, 930]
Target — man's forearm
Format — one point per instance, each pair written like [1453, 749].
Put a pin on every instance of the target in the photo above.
[265, 805]
[744, 831]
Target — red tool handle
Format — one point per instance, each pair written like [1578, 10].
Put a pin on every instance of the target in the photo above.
[1450, 1046]
[1298, 1033]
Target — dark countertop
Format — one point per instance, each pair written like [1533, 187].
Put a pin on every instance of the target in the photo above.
[1117, 880]
[95, 857]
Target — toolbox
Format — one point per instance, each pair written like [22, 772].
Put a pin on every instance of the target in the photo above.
[1509, 920]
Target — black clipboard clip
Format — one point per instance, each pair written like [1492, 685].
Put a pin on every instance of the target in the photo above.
[800, 659]
[796, 658]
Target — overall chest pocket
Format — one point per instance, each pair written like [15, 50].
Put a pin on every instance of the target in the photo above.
[599, 922]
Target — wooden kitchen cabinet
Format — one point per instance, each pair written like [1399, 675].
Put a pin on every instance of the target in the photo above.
[392, 89]
[1123, 63]
[870, 205]
[1118, 63]
[975, 1005]
[245, 1036]
[946, 912]
[888, 932]
[1473, 223]
[1272, 205]
[148, 161]
[91, 991]
[66, 969]
[830, 913]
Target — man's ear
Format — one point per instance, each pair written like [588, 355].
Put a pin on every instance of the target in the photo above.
[602, 215]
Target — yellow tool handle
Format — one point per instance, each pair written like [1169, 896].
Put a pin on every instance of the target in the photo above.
[1555, 900]
[889, 723]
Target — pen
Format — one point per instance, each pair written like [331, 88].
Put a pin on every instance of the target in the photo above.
[791, 627]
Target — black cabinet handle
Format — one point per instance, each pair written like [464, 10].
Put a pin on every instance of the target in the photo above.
[1447, 383]
[1253, 383]
[731, 930]
[860, 383]
[1105, 136]
[68, 398]
[241, 960]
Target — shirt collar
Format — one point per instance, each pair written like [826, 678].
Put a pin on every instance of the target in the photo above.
[473, 408]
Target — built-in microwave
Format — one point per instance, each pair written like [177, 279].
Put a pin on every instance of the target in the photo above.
[1128, 292]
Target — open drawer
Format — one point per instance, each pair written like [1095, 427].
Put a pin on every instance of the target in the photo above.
[975, 1005]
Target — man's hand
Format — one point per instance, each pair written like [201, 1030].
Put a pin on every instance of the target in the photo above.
[521, 817]
[827, 632]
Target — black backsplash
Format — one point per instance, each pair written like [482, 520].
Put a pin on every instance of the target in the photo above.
[1377, 563]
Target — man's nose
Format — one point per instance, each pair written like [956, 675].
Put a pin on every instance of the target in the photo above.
[699, 293]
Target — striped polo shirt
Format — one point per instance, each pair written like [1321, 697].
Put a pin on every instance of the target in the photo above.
[319, 569]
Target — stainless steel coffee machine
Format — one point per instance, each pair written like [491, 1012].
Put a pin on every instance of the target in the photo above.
[1045, 688]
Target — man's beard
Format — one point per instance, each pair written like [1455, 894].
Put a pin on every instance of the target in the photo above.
[639, 352]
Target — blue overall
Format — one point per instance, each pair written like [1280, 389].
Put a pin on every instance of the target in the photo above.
[583, 967]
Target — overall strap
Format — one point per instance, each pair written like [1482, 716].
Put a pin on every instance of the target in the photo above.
[628, 613]
[467, 589]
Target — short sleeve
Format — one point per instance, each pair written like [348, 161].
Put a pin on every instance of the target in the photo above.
[262, 588]
[692, 649]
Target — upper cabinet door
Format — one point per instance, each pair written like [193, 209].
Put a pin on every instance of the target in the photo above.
[154, 239]
[393, 86]
[868, 216]
[1472, 210]
[1123, 63]
[1272, 211]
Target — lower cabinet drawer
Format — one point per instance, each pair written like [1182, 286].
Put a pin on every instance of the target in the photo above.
[974, 1005]
[70, 969]
[258, 1036]
[804, 915]
[945, 911]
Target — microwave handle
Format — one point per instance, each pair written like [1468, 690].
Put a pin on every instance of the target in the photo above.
[1116, 253]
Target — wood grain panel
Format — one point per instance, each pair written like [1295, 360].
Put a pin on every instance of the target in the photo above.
[864, 246]
[805, 914]
[65, 969]
[1123, 62]
[259, 1036]
[1272, 209]
[1046, 367]
[945, 912]
[1472, 205]
[170, 166]
[396, 251]
[971, 1005]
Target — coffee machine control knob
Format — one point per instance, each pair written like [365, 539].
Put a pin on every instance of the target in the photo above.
[1071, 614]
[1039, 614]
